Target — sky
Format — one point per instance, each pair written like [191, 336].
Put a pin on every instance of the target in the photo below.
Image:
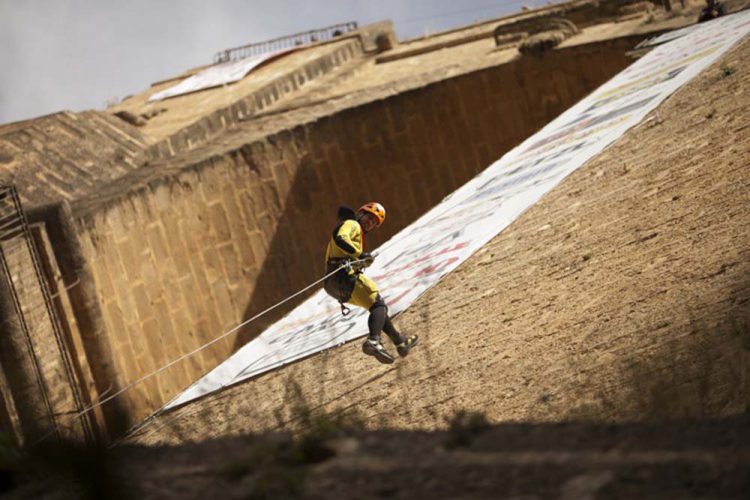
[84, 54]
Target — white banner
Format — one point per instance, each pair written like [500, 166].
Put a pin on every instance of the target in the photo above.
[669, 36]
[214, 76]
[419, 256]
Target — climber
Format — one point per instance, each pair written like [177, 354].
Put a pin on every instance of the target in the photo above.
[350, 285]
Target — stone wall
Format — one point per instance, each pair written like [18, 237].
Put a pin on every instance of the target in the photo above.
[40, 384]
[188, 256]
[65, 155]
[411, 150]
[334, 55]
[174, 266]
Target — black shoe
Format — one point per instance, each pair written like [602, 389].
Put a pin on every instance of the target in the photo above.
[404, 347]
[375, 348]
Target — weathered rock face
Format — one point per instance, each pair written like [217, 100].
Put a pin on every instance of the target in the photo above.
[188, 221]
[191, 255]
[621, 296]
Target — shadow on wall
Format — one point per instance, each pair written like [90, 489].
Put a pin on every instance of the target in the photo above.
[408, 152]
[704, 372]
[360, 155]
[296, 252]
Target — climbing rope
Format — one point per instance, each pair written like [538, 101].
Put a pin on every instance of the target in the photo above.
[73, 416]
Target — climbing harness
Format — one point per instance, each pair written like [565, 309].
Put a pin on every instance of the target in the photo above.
[340, 285]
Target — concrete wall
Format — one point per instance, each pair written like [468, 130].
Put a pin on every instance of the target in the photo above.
[187, 257]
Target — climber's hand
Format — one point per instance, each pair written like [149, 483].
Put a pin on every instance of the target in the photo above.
[367, 259]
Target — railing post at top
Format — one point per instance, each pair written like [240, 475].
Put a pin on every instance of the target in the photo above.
[290, 41]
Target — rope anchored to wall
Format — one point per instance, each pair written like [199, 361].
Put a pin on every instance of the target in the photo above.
[204, 346]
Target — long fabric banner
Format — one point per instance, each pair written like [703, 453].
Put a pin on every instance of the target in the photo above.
[214, 76]
[420, 255]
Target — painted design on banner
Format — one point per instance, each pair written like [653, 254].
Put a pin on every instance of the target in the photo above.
[215, 76]
[420, 255]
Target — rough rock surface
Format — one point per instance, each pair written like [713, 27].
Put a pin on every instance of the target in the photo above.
[571, 461]
[622, 295]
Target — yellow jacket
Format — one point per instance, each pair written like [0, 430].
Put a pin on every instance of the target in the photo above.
[347, 241]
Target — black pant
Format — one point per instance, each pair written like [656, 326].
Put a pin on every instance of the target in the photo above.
[380, 321]
[340, 286]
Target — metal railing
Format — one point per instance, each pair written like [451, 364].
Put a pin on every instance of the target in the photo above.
[284, 42]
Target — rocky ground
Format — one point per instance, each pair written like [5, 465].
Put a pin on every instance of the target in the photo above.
[612, 319]
[572, 461]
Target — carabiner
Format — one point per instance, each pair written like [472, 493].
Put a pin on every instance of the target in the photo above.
[344, 310]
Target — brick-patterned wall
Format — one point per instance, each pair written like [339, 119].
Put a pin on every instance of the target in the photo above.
[411, 150]
[206, 127]
[175, 265]
[65, 155]
[189, 256]
[43, 385]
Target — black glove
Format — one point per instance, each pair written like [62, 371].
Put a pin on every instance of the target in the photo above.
[366, 259]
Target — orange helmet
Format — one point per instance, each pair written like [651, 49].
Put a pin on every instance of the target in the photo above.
[375, 209]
